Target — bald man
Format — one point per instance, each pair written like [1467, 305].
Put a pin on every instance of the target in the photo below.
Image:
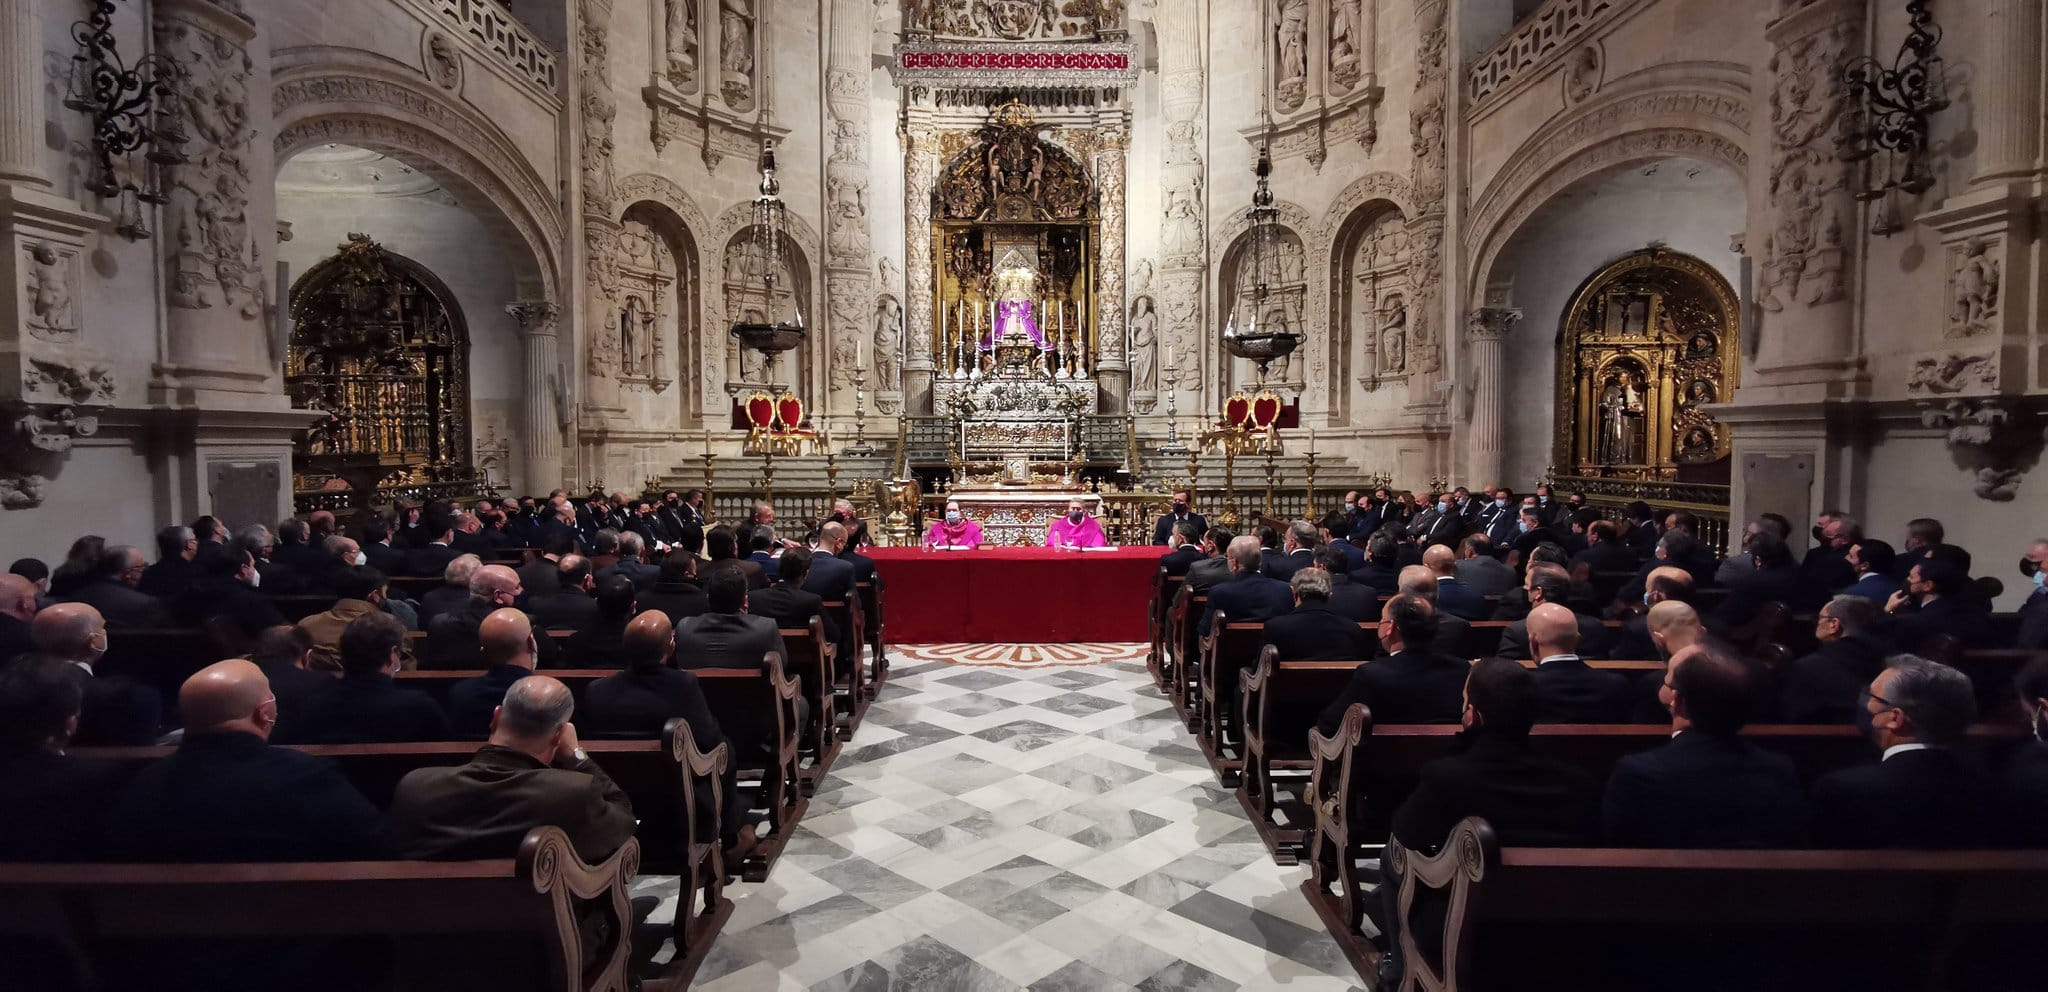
[508, 649]
[1664, 584]
[452, 638]
[228, 795]
[532, 772]
[1453, 596]
[1567, 689]
[830, 577]
[17, 608]
[118, 711]
[1453, 632]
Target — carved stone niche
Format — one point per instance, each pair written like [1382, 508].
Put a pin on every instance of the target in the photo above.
[1997, 440]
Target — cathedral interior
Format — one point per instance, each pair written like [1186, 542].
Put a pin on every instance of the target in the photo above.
[1707, 255]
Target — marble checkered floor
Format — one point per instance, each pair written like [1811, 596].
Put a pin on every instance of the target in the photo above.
[1009, 822]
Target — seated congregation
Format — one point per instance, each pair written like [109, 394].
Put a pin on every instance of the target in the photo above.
[553, 718]
[1429, 692]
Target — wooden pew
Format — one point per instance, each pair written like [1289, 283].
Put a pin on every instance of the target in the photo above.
[159, 657]
[1281, 700]
[415, 586]
[871, 600]
[295, 608]
[1158, 623]
[1183, 651]
[855, 692]
[730, 690]
[810, 655]
[531, 899]
[1230, 650]
[1935, 899]
[1383, 762]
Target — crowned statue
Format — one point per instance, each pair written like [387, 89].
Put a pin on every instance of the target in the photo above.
[1016, 289]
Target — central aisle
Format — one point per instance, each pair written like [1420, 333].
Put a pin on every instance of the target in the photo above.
[1023, 827]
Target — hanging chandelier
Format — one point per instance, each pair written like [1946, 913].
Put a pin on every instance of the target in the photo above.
[1260, 345]
[770, 334]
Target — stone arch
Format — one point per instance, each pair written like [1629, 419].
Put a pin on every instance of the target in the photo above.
[1690, 110]
[674, 205]
[1362, 192]
[1357, 312]
[377, 104]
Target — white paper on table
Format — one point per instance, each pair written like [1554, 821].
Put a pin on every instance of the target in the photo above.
[1105, 547]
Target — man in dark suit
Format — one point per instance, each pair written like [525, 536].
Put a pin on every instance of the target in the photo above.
[452, 637]
[1479, 570]
[1452, 596]
[366, 706]
[831, 576]
[1179, 514]
[1667, 584]
[296, 551]
[111, 590]
[1932, 605]
[1872, 561]
[764, 545]
[1408, 683]
[17, 609]
[1443, 526]
[176, 546]
[532, 772]
[2026, 772]
[1501, 521]
[116, 710]
[1382, 569]
[285, 654]
[1827, 685]
[1604, 551]
[727, 636]
[1247, 595]
[632, 563]
[1827, 566]
[1184, 542]
[639, 701]
[1775, 579]
[431, 559]
[1548, 584]
[677, 593]
[1706, 787]
[227, 794]
[789, 605]
[569, 606]
[1298, 552]
[1567, 689]
[1527, 798]
[1214, 567]
[2033, 613]
[509, 650]
[453, 592]
[379, 549]
[1313, 631]
[53, 802]
[602, 644]
[1350, 599]
[1920, 794]
[721, 546]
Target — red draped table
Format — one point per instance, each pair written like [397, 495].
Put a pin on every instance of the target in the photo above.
[1016, 595]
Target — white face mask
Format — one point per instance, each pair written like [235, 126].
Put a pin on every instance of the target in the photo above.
[362, 559]
[255, 579]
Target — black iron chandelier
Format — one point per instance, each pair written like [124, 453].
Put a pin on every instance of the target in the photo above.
[1260, 345]
[132, 108]
[768, 335]
[1889, 108]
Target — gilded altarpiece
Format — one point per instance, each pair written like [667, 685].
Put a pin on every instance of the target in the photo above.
[1647, 344]
[378, 343]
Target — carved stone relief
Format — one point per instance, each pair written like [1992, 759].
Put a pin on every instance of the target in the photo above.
[1427, 180]
[1348, 38]
[1290, 52]
[1582, 74]
[846, 193]
[1804, 261]
[888, 344]
[212, 254]
[52, 274]
[1974, 274]
[1013, 20]
[679, 28]
[1953, 372]
[439, 58]
[1995, 440]
[736, 36]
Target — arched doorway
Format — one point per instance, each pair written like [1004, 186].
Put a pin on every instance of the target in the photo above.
[1646, 344]
[380, 344]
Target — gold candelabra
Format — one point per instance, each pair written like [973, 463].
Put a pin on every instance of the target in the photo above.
[1309, 508]
[1270, 508]
[709, 496]
[831, 472]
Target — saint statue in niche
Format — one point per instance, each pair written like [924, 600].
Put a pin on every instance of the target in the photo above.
[1700, 391]
[1621, 420]
[736, 49]
[681, 27]
[1144, 325]
[1291, 38]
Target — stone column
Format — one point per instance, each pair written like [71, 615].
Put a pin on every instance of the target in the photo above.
[1184, 234]
[215, 231]
[1112, 361]
[2007, 79]
[596, 108]
[1811, 232]
[920, 171]
[1428, 177]
[849, 290]
[540, 435]
[1484, 332]
[21, 94]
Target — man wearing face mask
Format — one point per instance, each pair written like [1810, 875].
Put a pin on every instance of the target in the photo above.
[2034, 612]
[116, 711]
[1180, 513]
[226, 591]
[453, 639]
[1933, 605]
[2026, 772]
[1501, 522]
[1076, 530]
[1920, 794]
[1444, 526]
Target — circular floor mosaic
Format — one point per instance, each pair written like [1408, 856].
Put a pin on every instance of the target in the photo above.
[1017, 655]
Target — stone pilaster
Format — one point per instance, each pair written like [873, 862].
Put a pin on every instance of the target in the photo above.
[920, 171]
[220, 220]
[540, 425]
[1184, 231]
[594, 113]
[849, 290]
[1112, 363]
[21, 94]
[1812, 233]
[1428, 178]
[1484, 334]
[2007, 81]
